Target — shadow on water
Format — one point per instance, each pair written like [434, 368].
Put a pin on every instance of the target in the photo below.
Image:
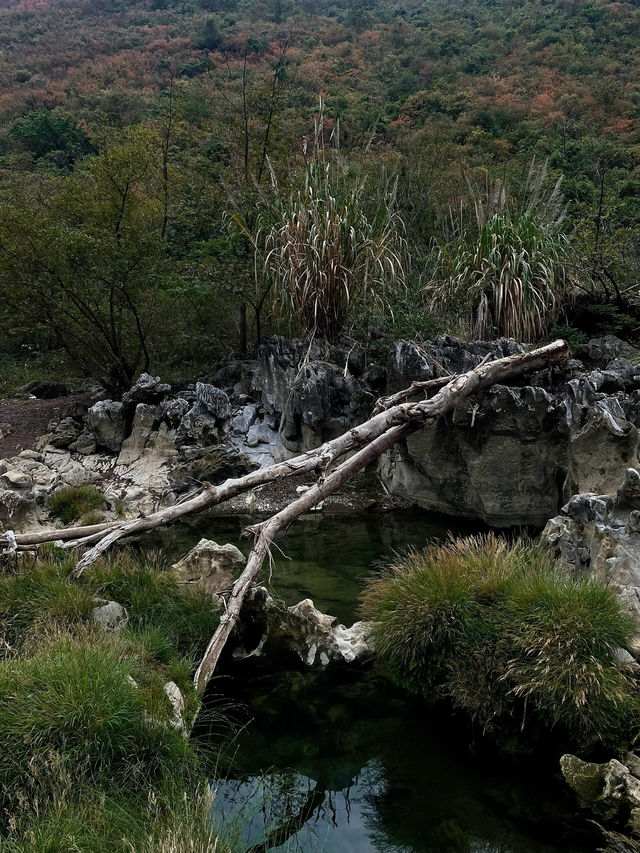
[344, 762]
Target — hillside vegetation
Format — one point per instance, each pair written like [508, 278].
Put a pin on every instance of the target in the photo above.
[152, 152]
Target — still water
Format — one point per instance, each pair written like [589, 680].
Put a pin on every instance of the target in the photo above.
[343, 762]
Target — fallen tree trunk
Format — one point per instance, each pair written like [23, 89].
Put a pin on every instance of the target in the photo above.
[405, 416]
[389, 413]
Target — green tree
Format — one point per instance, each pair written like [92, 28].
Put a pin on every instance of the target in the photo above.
[84, 254]
[53, 135]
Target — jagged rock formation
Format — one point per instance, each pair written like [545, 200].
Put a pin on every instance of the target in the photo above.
[600, 534]
[512, 457]
[523, 451]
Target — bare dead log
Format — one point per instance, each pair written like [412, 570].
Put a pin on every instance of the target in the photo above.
[391, 413]
[405, 416]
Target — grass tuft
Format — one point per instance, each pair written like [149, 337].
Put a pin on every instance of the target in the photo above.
[89, 760]
[73, 502]
[499, 630]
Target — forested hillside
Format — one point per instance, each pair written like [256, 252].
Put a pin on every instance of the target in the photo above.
[159, 161]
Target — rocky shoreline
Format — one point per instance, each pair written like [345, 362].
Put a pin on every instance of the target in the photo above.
[571, 435]
[570, 431]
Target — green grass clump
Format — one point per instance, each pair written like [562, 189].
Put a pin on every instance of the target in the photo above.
[73, 502]
[499, 630]
[42, 594]
[157, 604]
[89, 760]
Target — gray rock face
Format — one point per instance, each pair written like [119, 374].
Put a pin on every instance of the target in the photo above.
[312, 398]
[210, 567]
[64, 433]
[110, 616]
[215, 400]
[601, 351]
[600, 535]
[105, 421]
[611, 790]
[147, 389]
[515, 454]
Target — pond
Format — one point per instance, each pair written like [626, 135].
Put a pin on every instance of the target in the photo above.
[344, 762]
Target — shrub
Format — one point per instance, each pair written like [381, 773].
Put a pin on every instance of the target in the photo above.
[499, 630]
[72, 502]
[510, 268]
[325, 254]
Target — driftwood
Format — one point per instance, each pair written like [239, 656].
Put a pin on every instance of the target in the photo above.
[402, 418]
[393, 417]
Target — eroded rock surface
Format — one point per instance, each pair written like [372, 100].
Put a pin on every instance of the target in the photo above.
[210, 567]
[599, 534]
[610, 790]
[515, 454]
[511, 456]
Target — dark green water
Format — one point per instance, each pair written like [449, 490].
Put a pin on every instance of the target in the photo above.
[325, 559]
[343, 762]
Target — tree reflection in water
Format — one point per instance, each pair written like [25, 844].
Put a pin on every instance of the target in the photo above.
[356, 767]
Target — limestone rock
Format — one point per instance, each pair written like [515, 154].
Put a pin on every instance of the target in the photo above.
[514, 455]
[320, 639]
[610, 790]
[105, 421]
[64, 433]
[244, 418]
[313, 398]
[175, 697]
[172, 411]
[600, 535]
[210, 567]
[604, 350]
[147, 389]
[110, 616]
[215, 400]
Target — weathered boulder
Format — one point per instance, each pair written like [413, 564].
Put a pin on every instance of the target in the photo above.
[603, 350]
[600, 535]
[513, 455]
[210, 567]
[105, 421]
[244, 418]
[319, 639]
[205, 422]
[64, 433]
[147, 389]
[215, 400]
[610, 790]
[172, 411]
[110, 616]
[176, 700]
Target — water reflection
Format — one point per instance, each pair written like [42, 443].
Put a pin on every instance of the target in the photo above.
[326, 559]
[344, 765]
